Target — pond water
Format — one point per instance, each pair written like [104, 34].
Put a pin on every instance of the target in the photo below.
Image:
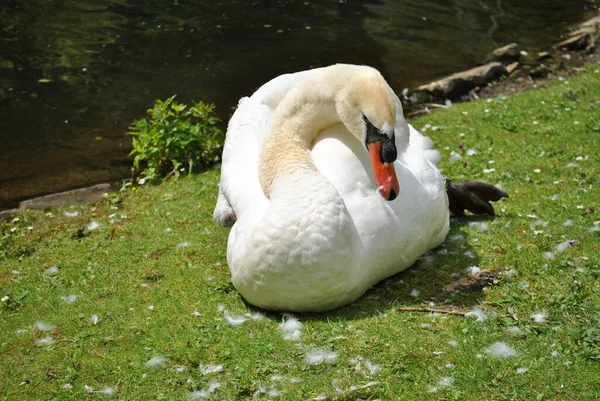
[74, 74]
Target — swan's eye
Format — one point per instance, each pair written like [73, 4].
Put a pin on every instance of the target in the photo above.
[373, 134]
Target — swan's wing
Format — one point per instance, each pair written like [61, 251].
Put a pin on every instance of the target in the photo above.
[271, 93]
[424, 145]
[416, 151]
[240, 193]
[239, 188]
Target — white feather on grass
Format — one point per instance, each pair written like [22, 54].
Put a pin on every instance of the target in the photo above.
[51, 271]
[339, 393]
[540, 317]
[70, 298]
[470, 254]
[41, 326]
[94, 319]
[321, 355]
[107, 391]
[365, 366]
[210, 368]
[415, 293]
[478, 314]
[522, 371]
[456, 238]
[269, 391]
[442, 383]
[563, 246]
[291, 328]
[235, 320]
[427, 259]
[156, 362]
[454, 157]
[480, 226]
[473, 270]
[257, 316]
[500, 350]
[512, 273]
[206, 392]
[42, 342]
[514, 331]
[371, 367]
[71, 214]
[93, 226]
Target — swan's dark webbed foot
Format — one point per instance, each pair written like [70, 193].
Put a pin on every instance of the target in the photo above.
[474, 196]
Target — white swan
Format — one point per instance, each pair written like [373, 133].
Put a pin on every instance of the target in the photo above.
[313, 227]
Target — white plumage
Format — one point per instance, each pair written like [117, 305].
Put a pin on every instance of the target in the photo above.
[311, 230]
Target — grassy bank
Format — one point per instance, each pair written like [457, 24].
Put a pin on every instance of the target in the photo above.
[131, 299]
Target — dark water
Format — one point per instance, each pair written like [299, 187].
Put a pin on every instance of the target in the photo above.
[74, 74]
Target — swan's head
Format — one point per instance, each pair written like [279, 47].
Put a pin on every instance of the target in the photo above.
[368, 110]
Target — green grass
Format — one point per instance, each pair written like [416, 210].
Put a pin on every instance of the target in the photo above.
[125, 266]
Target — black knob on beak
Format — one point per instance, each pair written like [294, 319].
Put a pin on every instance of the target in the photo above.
[389, 153]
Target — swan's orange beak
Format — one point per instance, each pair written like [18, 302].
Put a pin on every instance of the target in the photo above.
[385, 174]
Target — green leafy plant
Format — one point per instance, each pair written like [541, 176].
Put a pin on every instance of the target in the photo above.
[176, 138]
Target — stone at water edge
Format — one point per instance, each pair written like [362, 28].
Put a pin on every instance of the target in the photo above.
[578, 42]
[8, 214]
[508, 53]
[512, 67]
[68, 198]
[456, 85]
[540, 71]
[584, 37]
[541, 56]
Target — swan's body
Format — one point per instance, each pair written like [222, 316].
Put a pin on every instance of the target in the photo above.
[312, 231]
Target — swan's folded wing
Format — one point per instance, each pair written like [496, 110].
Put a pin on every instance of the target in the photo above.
[239, 189]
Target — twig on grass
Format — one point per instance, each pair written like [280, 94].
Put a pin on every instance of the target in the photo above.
[429, 310]
[343, 392]
[171, 173]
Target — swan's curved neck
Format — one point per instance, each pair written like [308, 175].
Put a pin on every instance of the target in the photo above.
[338, 94]
[290, 138]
